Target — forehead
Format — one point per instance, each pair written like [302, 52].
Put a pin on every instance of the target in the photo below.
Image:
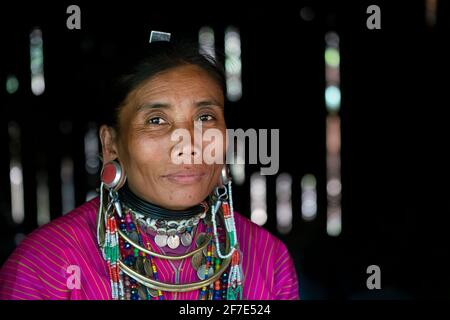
[180, 83]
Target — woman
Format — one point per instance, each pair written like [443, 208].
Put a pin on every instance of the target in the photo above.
[161, 228]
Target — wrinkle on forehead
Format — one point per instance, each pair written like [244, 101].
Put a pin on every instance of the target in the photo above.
[178, 86]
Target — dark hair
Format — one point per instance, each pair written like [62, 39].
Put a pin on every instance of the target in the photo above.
[154, 59]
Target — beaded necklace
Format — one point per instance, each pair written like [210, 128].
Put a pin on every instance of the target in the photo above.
[135, 291]
[207, 262]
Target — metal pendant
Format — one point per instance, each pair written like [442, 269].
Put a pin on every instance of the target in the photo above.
[186, 239]
[161, 231]
[181, 229]
[197, 260]
[141, 223]
[133, 235]
[153, 292]
[200, 239]
[201, 272]
[148, 268]
[142, 293]
[171, 232]
[161, 240]
[173, 241]
[140, 265]
[149, 230]
[118, 208]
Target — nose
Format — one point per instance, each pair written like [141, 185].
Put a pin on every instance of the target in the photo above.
[184, 151]
[188, 150]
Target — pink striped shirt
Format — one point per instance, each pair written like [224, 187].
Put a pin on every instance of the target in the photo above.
[43, 265]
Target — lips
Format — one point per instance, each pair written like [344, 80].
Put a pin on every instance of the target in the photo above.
[185, 176]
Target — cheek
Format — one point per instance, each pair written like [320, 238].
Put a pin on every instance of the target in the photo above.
[145, 150]
[217, 173]
[217, 141]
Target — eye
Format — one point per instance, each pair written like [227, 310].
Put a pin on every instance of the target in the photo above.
[157, 121]
[205, 117]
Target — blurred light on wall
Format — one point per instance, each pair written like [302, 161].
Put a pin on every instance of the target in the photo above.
[92, 165]
[67, 185]
[309, 197]
[43, 198]
[17, 197]
[258, 201]
[237, 167]
[238, 173]
[91, 149]
[334, 221]
[91, 194]
[333, 133]
[333, 98]
[430, 12]
[233, 65]
[307, 14]
[12, 84]
[284, 203]
[332, 72]
[37, 62]
[332, 57]
[18, 238]
[67, 169]
[334, 187]
[206, 40]
[16, 174]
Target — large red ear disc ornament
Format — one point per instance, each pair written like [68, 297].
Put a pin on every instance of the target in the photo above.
[112, 175]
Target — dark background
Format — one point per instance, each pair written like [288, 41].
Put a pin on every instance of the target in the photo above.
[394, 84]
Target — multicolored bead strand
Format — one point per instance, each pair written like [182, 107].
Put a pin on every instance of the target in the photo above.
[112, 255]
[125, 287]
[234, 281]
[155, 272]
[224, 281]
[234, 290]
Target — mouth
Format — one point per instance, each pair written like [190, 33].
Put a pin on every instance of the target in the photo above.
[185, 176]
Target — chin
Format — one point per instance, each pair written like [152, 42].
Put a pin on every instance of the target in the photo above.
[184, 199]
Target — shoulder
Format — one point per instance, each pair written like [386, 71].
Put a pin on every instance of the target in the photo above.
[38, 266]
[267, 264]
[259, 244]
[249, 231]
[78, 220]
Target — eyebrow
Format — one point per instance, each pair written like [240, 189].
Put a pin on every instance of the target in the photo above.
[161, 105]
[156, 105]
[208, 103]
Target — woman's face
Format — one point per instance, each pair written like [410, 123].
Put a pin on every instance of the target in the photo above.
[180, 98]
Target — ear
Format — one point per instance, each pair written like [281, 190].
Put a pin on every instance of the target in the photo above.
[108, 138]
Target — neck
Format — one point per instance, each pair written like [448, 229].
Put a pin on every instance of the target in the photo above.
[137, 204]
